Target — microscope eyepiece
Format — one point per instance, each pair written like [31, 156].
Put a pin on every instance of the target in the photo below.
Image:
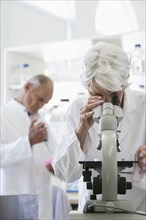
[115, 100]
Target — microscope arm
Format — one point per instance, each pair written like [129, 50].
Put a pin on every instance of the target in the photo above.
[104, 115]
[109, 165]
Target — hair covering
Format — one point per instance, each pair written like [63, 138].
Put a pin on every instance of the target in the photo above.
[108, 65]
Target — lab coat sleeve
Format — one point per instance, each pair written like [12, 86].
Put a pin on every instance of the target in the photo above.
[51, 143]
[139, 180]
[15, 151]
[66, 162]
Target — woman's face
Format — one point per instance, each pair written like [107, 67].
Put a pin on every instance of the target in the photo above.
[96, 90]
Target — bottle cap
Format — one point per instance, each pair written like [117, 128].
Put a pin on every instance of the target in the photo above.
[137, 45]
[25, 65]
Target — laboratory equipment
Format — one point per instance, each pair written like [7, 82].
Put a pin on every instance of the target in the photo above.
[137, 60]
[108, 182]
[26, 73]
[16, 75]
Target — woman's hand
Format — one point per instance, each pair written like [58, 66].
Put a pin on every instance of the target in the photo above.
[141, 157]
[48, 165]
[86, 120]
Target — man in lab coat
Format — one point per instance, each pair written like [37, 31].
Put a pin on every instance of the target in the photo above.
[106, 75]
[26, 142]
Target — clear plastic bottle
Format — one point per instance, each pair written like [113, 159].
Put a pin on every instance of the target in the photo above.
[63, 108]
[16, 75]
[137, 60]
[26, 73]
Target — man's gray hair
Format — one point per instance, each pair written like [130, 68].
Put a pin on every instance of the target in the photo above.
[108, 65]
[39, 80]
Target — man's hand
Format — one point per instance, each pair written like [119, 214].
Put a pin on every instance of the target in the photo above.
[37, 133]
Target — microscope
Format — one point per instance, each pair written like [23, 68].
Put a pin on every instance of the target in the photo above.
[108, 181]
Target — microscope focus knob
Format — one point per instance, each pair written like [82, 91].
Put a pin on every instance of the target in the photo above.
[123, 185]
[118, 146]
[86, 175]
[99, 145]
[97, 185]
[89, 185]
[93, 197]
[129, 185]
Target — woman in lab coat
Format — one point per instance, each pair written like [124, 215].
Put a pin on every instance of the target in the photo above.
[106, 74]
[23, 150]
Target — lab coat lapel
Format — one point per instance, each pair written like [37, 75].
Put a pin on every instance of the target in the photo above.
[22, 118]
[128, 110]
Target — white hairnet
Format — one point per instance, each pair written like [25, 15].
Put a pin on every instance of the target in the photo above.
[108, 65]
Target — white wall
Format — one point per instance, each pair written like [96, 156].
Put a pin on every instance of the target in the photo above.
[23, 25]
[84, 26]
[139, 8]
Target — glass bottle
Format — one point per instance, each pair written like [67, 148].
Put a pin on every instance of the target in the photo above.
[137, 60]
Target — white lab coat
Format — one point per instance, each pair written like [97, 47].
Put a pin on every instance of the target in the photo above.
[22, 166]
[61, 204]
[132, 136]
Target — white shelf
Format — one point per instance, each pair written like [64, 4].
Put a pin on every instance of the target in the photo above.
[16, 87]
[64, 50]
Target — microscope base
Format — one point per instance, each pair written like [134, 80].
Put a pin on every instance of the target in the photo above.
[75, 215]
[103, 206]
